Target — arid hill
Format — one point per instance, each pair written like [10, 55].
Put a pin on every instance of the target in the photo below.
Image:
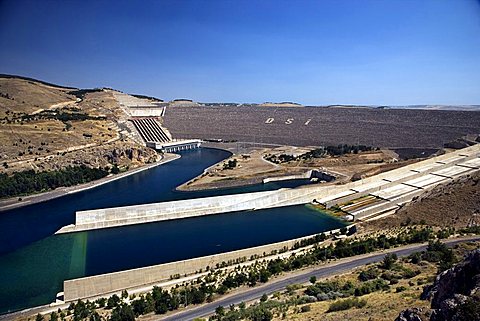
[46, 127]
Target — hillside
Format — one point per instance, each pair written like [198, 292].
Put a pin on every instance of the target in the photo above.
[48, 127]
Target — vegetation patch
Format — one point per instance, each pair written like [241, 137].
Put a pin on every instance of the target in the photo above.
[80, 93]
[346, 304]
[331, 150]
[28, 182]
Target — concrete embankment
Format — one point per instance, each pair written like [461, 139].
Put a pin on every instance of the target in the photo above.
[305, 175]
[422, 175]
[103, 284]
[119, 216]
[313, 173]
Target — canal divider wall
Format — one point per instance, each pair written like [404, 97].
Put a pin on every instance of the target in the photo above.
[103, 284]
[137, 214]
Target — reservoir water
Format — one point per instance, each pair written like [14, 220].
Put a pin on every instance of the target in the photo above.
[34, 262]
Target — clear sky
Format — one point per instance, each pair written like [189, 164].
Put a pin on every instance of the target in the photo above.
[377, 52]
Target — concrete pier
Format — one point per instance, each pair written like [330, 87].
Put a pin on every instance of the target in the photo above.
[418, 176]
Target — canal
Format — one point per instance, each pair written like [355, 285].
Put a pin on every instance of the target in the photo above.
[34, 262]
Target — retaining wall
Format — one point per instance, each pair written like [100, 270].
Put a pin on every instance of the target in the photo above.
[305, 175]
[112, 282]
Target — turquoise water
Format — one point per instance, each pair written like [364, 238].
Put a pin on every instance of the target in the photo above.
[34, 262]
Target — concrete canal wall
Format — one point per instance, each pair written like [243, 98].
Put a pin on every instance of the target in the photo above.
[137, 214]
[103, 284]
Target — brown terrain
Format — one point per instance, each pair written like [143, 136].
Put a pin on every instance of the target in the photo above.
[46, 127]
[383, 305]
[252, 166]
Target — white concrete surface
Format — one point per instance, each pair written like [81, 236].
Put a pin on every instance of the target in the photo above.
[452, 159]
[473, 163]
[328, 198]
[368, 186]
[426, 180]
[394, 191]
[453, 171]
[428, 167]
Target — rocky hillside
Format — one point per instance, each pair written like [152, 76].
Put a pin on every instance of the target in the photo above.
[48, 127]
[455, 294]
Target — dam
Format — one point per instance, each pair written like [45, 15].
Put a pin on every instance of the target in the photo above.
[390, 189]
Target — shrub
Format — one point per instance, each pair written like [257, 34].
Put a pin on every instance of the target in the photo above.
[113, 301]
[371, 286]
[305, 308]
[400, 289]
[122, 313]
[346, 304]
[415, 258]
[369, 274]
[388, 261]
[409, 273]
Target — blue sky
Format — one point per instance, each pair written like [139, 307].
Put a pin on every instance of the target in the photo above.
[392, 52]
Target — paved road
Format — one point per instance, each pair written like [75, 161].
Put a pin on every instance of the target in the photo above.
[336, 268]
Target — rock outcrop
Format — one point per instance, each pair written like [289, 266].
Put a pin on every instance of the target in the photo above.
[412, 314]
[455, 294]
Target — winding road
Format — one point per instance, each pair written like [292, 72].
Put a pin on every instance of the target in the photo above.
[334, 268]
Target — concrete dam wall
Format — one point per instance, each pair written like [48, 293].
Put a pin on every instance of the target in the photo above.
[311, 126]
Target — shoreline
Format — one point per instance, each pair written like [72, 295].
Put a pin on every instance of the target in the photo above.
[230, 182]
[13, 203]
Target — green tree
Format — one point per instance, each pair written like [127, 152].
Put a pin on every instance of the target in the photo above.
[264, 275]
[139, 306]
[53, 316]
[389, 260]
[113, 301]
[220, 311]
[81, 311]
[122, 312]
[95, 317]
[261, 313]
